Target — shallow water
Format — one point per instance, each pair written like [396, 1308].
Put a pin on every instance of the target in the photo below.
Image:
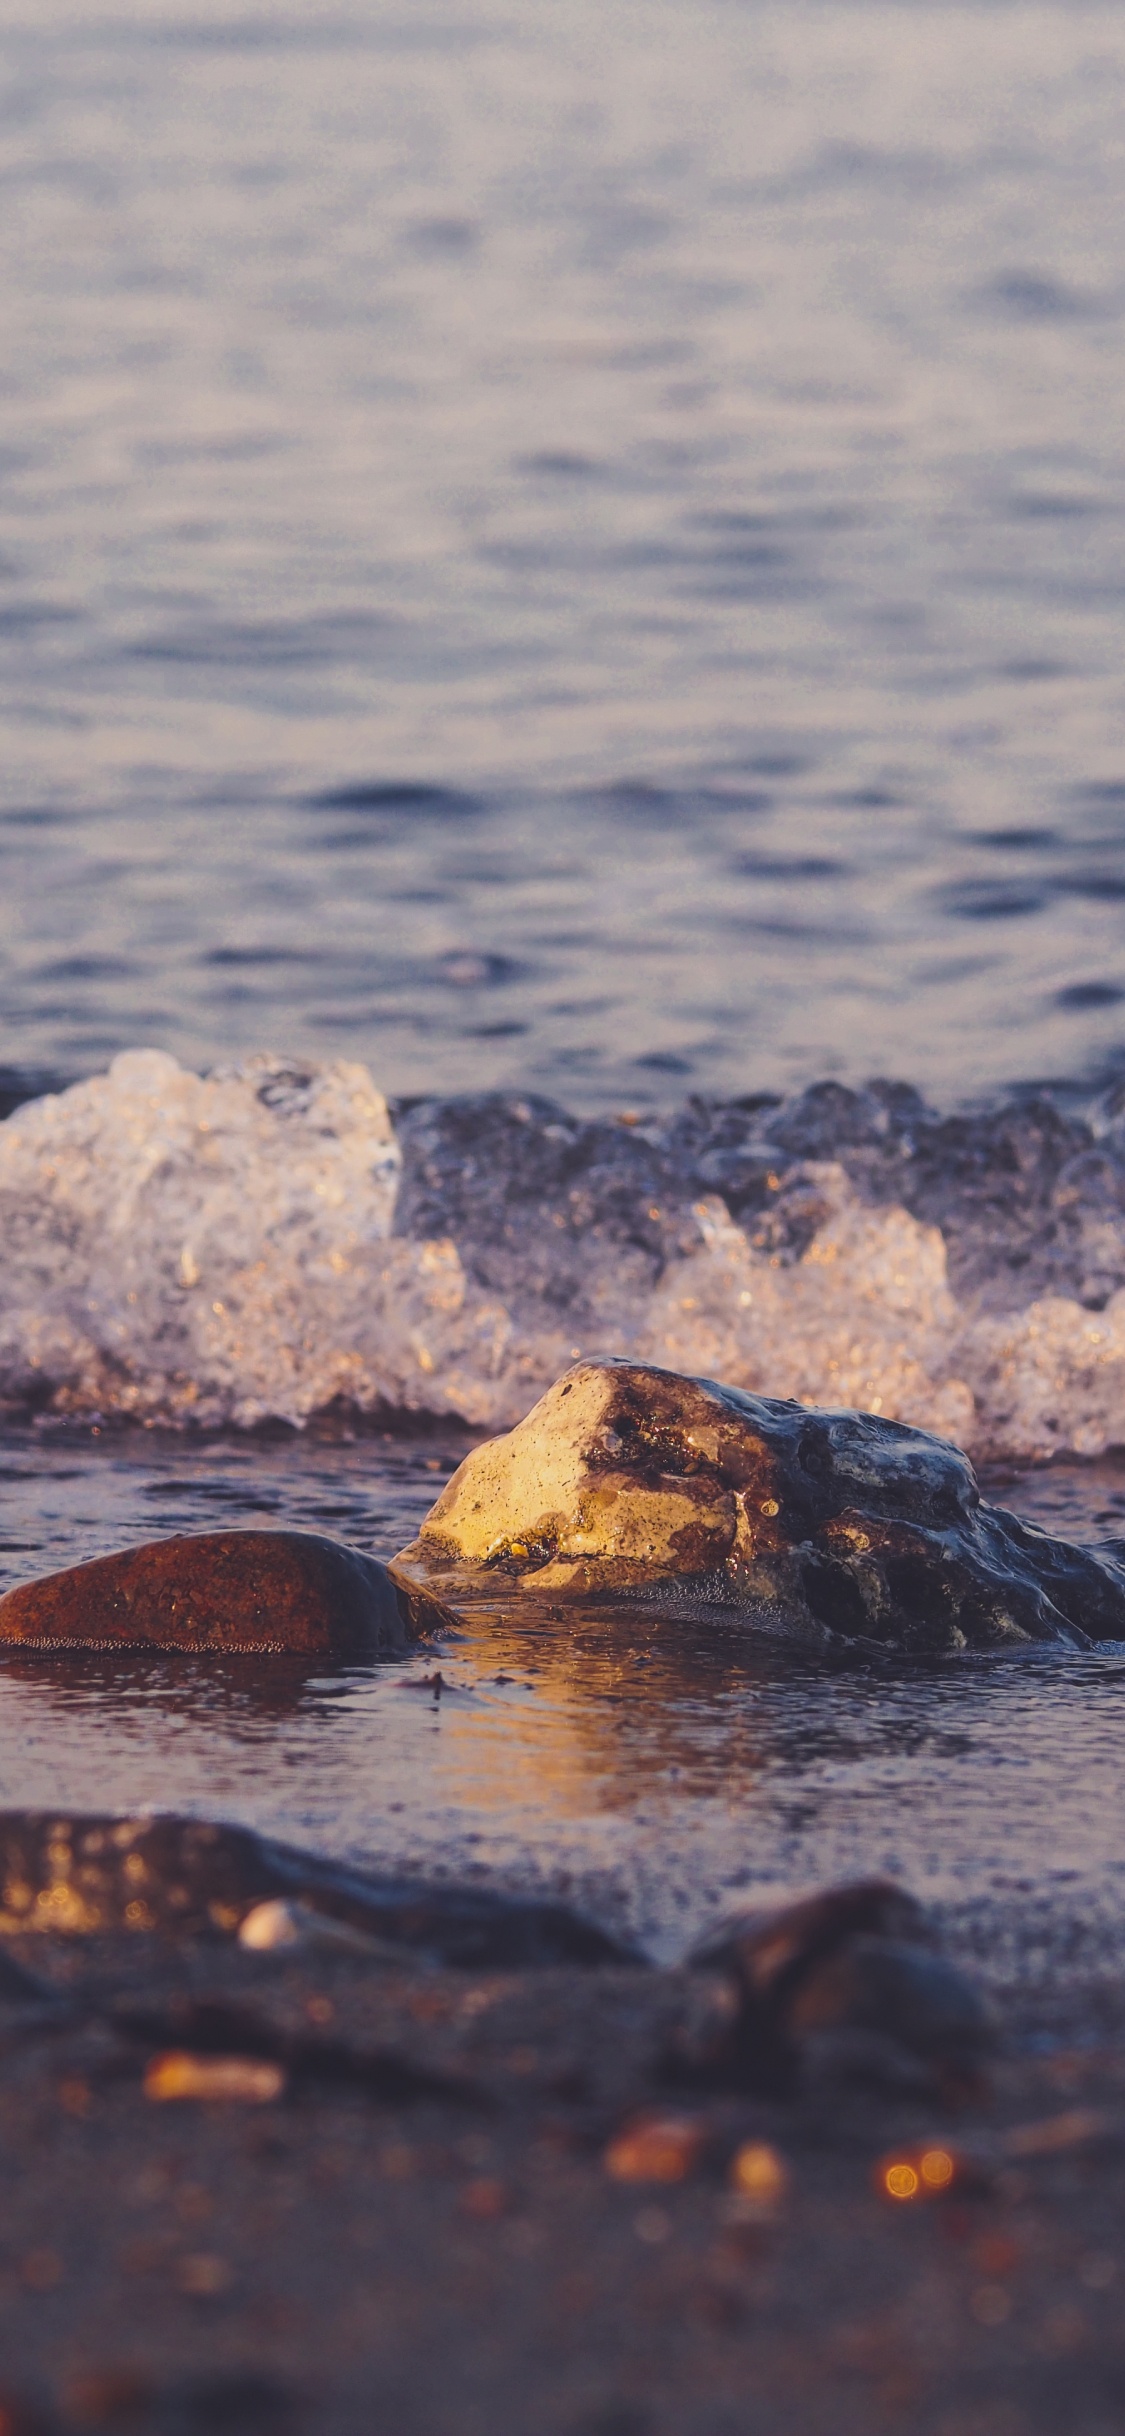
[573, 551]
[653, 1774]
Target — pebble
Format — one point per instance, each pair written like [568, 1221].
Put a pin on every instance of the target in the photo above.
[656, 2148]
[240, 2080]
[283, 1926]
[759, 2172]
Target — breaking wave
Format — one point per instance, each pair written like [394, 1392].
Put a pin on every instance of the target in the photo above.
[267, 1241]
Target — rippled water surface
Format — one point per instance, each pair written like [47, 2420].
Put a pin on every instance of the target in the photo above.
[561, 545]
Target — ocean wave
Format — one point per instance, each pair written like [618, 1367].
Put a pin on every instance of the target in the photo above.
[269, 1240]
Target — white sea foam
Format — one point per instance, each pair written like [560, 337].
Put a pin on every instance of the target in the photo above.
[222, 1251]
[865, 1318]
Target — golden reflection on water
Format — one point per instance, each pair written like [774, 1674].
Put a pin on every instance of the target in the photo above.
[622, 1707]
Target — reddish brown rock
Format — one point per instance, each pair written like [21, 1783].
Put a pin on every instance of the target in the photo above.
[225, 1591]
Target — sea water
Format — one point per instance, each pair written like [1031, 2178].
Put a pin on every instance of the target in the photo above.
[560, 586]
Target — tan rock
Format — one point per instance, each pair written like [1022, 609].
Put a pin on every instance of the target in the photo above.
[578, 1495]
[626, 1481]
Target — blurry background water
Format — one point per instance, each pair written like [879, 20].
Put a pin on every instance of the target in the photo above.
[564, 545]
[578, 547]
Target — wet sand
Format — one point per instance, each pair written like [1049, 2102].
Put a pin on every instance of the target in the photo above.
[351, 2256]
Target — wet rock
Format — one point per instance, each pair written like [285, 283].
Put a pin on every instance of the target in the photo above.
[877, 2001]
[849, 1982]
[191, 1877]
[225, 1591]
[825, 1528]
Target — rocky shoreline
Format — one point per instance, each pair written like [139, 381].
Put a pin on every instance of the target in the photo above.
[633, 1485]
[291, 2149]
[441, 2201]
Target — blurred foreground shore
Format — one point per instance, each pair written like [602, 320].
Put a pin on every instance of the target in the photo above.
[483, 2247]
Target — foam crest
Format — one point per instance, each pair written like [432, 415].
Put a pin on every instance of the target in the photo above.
[264, 1242]
[865, 1317]
[170, 1240]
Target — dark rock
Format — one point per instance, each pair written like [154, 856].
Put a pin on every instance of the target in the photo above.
[772, 1952]
[850, 1978]
[191, 1877]
[901, 1992]
[224, 1591]
[821, 1527]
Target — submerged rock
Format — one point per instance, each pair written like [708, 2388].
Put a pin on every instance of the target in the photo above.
[225, 1591]
[189, 1877]
[848, 1982]
[626, 1481]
